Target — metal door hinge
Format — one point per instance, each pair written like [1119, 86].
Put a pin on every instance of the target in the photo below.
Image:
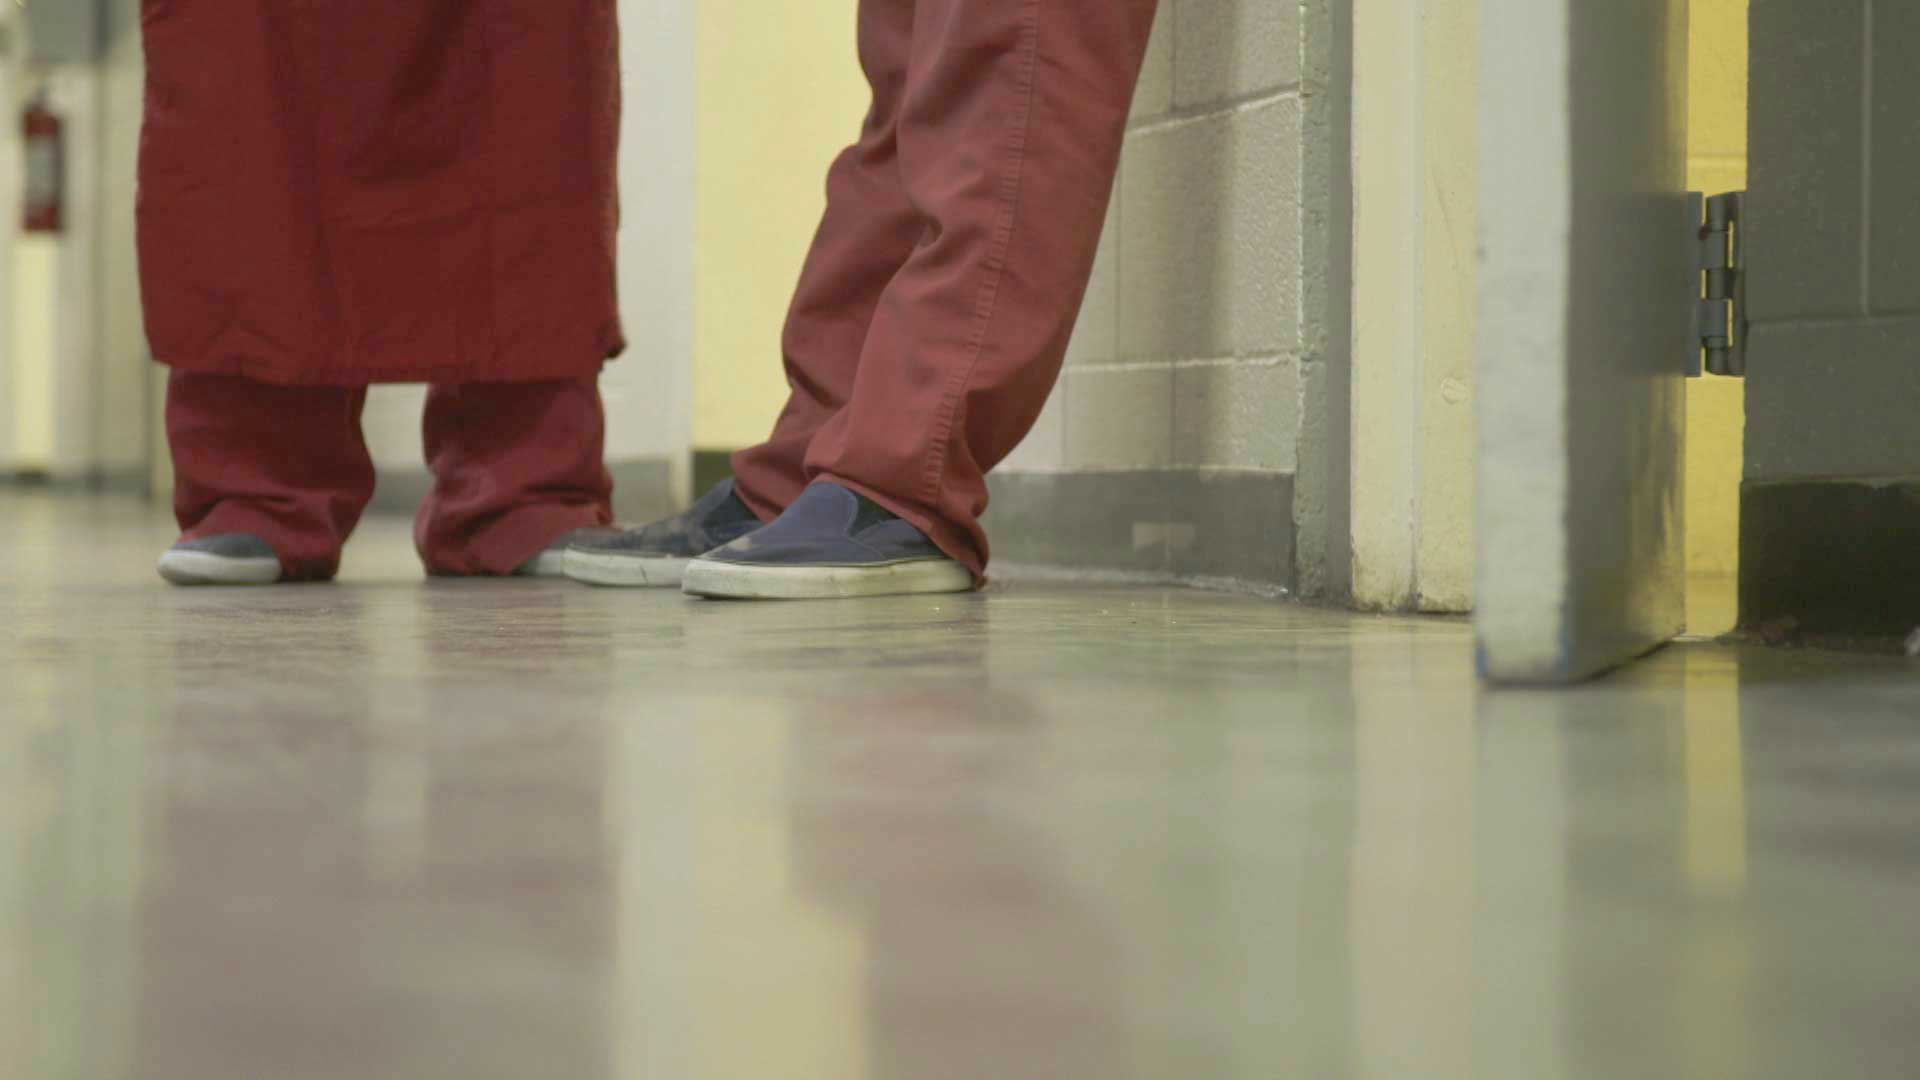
[1720, 326]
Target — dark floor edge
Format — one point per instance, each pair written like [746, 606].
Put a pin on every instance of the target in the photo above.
[128, 481]
[1830, 560]
[1013, 573]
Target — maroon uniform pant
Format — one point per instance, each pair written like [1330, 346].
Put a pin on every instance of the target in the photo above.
[339, 194]
[514, 465]
[934, 309]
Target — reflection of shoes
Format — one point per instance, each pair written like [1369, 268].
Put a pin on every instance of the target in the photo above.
[831, 543]
[226, 559]
[551, 561]
[657, 555]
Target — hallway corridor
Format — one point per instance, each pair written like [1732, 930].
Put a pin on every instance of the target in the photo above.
[475, 830]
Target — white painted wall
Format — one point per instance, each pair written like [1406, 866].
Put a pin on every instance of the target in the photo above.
[72, 358]
[57, 370]
[649, 392]
[77, 371]
[125, 391]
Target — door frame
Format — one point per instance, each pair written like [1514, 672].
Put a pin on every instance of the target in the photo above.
[1415, 222]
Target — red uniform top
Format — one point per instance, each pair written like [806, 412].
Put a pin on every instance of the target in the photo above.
[367, 191]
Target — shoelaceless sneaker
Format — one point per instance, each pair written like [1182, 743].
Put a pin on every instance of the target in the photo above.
[832, 543]
[656, 556]
[551, 562]
[226, 559]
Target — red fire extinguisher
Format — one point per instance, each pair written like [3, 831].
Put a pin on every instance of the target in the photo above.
[46, 166]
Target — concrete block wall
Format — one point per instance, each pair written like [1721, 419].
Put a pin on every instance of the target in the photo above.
[1191, 361]
[1833, 224]
[1830, 505]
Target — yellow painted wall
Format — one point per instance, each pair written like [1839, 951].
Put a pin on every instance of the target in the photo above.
[780, 93]
[1717, 162]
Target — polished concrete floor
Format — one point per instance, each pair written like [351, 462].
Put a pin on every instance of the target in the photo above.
[391, 828]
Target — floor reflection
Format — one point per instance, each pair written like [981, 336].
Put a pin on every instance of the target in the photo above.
[1413, 897]
[982, 956]
[500, 829]
[250, 954]
[1550, 884]
[71, 865]
[361, 876]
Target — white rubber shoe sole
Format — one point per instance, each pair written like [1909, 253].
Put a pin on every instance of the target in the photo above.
[624, 571]
[732, 581]
[206, 568]
[547, 564]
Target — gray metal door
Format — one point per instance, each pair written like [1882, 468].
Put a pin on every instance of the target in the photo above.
[1584, 316]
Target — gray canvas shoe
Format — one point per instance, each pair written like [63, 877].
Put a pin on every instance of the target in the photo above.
[551, 562]
[226, 559]
[832, 543]
[657, 556]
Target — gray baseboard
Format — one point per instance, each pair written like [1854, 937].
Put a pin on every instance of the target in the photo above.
[642, 490]
[1230, 529]
[1840, 559]
[709, 468]
[1207, 527]
[399, 491]
[134, 481]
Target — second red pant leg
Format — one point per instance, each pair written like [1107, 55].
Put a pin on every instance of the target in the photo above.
[515, 465]
[1009, 140]
[287, 464]
[867, 234]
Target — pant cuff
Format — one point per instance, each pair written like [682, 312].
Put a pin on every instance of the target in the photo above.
[305, 554]
[505, 545]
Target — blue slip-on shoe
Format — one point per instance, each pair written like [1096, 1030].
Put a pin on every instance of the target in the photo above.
[657, 555]
[831, 543]
[226, 559]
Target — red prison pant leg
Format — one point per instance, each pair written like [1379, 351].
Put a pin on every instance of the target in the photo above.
[287, 464]
[934, 309]
[515, 465]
